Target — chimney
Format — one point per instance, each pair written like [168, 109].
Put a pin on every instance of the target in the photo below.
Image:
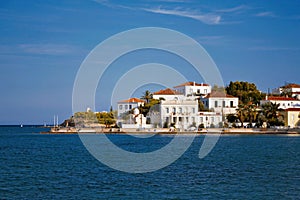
[266, 97]
[194, 83]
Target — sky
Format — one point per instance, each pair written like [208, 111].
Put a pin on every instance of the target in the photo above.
[43, 44]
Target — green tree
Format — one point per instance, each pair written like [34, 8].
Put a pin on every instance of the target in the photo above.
[252, 113]
[147, 96]
[106, 118]
[216, 88]
[246, 92]
[231, 118]
[241, 114]
[271, 113]
[146, 108]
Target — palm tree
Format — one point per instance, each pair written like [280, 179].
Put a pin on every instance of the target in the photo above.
[271, 112]
[252, 112]
[147, 96]
[241, 114]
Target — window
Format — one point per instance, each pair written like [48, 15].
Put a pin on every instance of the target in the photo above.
[174, 110]
[187, 119]
[198, 91]
[175, 120]
[126, 107]
[231, 104]
[216, 104]
[193, 119]
[180, 119]
[167, 110]
[205, 91]
[180, 110]
[201, 119]
[120, 107]
[130, 107]
[224, 104]
[194, 110]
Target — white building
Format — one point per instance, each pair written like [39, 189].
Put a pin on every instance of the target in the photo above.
[134, 120]
[192, 88]
[285, 102]
[183, 113]
[129, 104]
[291, 88]
[220, 102]
[168, 94]
[210, 119]
[292, 117]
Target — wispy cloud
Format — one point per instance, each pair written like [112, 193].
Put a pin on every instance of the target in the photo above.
[206, 15]
[205, 18]
[265, 14]
[234, 9]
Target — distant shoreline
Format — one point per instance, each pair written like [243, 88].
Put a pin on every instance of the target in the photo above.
[246, 131]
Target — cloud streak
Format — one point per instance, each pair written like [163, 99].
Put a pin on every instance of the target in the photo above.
[234, 9]
[265, 14]
[205, 18]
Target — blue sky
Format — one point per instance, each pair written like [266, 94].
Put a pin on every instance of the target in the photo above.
[43, 44]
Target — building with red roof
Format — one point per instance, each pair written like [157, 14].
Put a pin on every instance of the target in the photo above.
[291, 88]
[129, 104]
[221, 102]
[168, 94]
[285, 102]
[193, 89]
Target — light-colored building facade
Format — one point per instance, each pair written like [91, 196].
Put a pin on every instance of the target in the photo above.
[193, 89]
[292, 88]
[210, 119]
[126, 105]
[182, 113]
[168, 95]
[220, 102]
[292, 117]
[285, 102]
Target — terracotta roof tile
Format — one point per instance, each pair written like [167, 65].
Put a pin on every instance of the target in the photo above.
[219, 94]
[132, 100]
[167, 91]
[291, 85]
[293, 109]
[273, 98]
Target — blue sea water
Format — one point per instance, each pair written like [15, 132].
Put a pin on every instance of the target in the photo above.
[36, 166]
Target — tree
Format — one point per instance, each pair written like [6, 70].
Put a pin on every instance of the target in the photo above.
[231, 118]
[271, 114]
[147, 96]
[216, 88]
[146, 108]
[106, 118]
[246, 92]
[241, 114]
[251, 110]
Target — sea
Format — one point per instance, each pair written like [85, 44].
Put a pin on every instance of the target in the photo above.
[44, 166]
